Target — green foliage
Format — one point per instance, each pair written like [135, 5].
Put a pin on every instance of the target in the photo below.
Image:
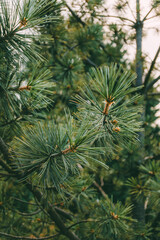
[25, 16]
[137, 187]
[50, 153]
[155, 194]
[67, 69]
[113, 219]
[22, 99]
[89, 37]
[60, 168]
[108, 106]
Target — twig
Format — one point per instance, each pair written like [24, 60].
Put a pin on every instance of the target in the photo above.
[112, 16]
[151, 17]
[28, 214]
[107, 106]
[43, 238]
[22, 237]
[101, 190]
[72, 48]
[75, 15]
[24, 201]
[84, 24]
[152, 83]
[91, 62]
[24, 88]
[145, 18]
[153, 94]
[63, 213]
[131, 10]
[83, 221]
[70, 149]
[151, 67]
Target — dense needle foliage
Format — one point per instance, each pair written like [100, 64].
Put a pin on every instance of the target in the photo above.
[74, 160]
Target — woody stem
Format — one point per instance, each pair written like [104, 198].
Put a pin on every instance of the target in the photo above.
[67, 150]
[106, 107]
[24, 88]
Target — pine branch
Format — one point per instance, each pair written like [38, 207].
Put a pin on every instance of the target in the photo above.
[28, 214]
[24, 88]
[63, 213]
[91, 62]
[150, 85]
[114, 16]
[151, 67]
[145, 17]
[107, 106]
[16, 18]
[101, 190]
[83, 221]
[52, 213]
[84, 24]
[153, 94]
[97, 15]
[131, 10]
[20, 200]
[72, 48]
[151, 17]
[49, 209]
[75, 15]
[27, 238]
[43, 238]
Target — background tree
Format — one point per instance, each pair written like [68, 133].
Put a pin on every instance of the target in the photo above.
[54, 177]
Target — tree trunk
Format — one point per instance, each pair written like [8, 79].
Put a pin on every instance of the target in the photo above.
[139, 211]
[139, 62]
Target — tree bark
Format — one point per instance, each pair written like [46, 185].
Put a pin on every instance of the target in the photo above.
[138, 210]
[139, 62]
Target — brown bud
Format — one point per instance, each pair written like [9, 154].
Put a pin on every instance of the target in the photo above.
[83, 189]
[115, 216]
[71, 66]
[24, 88]
[114, 122]
[142, 234]
[23, 23]
[116, 129]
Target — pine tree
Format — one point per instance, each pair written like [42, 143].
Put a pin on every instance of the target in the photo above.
[85, 17]
[65, 110]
